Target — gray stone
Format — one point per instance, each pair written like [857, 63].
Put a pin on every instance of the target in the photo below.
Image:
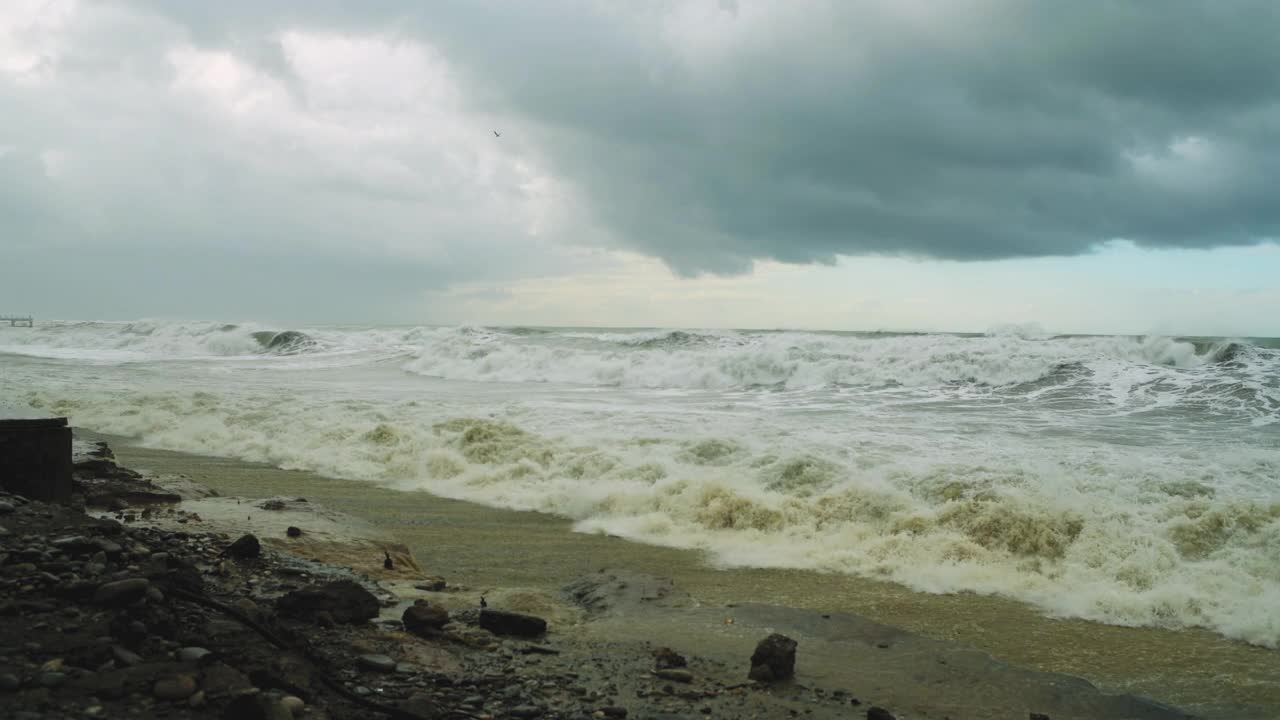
[878, 713]
[525, 711]
[192, 654]
[177, 687]
[377, 663]
[125, 656]
[121, 592]
[5, 507]
[9, 682]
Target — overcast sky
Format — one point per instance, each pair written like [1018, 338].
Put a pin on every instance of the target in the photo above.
[1100, 166]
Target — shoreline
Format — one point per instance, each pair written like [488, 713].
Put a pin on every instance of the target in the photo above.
[472, 543]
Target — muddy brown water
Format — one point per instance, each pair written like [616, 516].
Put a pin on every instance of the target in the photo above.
[482, 547]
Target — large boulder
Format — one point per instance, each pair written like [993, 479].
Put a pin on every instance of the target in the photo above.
[246, 548]
[424, 619]
[503, 622]
[345, 601]
[774, 659]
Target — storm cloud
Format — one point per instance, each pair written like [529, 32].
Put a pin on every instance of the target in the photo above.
[707, 133]
[714, 133]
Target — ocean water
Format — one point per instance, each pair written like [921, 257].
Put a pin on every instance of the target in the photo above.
[1127, 480]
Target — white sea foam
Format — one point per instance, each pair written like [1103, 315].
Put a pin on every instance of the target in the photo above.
[1126, 480]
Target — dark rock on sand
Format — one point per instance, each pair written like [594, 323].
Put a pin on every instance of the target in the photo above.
[424, 619]
[294, 532]
[665, 657]
[246, 548]
[675, 674]
[774, 659]
[344, 601]
[1039, 716]
[503, 622]
[432, 584]
[879, 713]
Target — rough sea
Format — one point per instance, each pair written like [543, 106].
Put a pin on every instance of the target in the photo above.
[1128, 480]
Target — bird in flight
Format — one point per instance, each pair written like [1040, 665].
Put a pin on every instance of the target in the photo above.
[497, 134]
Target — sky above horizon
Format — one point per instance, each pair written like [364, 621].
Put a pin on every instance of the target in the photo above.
[860, 164]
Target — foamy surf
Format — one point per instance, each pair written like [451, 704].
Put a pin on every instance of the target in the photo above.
[1125, 480]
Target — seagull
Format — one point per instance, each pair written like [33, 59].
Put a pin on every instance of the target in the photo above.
[497, 134]
[387, 562]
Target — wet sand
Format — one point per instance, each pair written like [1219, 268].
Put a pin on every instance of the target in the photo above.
[484, 548]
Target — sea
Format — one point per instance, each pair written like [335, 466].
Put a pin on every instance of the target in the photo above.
[1127, 480]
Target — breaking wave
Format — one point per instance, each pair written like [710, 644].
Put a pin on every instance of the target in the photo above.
[1116, 534]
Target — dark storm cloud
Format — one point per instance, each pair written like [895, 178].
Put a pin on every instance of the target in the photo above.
[712, 134]
[950, 130]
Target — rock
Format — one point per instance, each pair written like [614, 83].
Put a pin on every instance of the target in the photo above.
[192, 654]
[420, 704]
[1039, 716]
[502, 622]
[431, 584]
[52, 679]
[177, 687]
[246, 548]
[124, 656]
[121, 592]
[344, 601]
[665, 657]
[774, 659]
[878, 713]
[525, 711]
[5, 507]
[75, 545]
[423, 619]
[292, 703]
[9, 682]
[222, 679]
[377, 663]
[292, 531]
[257, 707]
[273, 504]
[675, 674]
[614, 711]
